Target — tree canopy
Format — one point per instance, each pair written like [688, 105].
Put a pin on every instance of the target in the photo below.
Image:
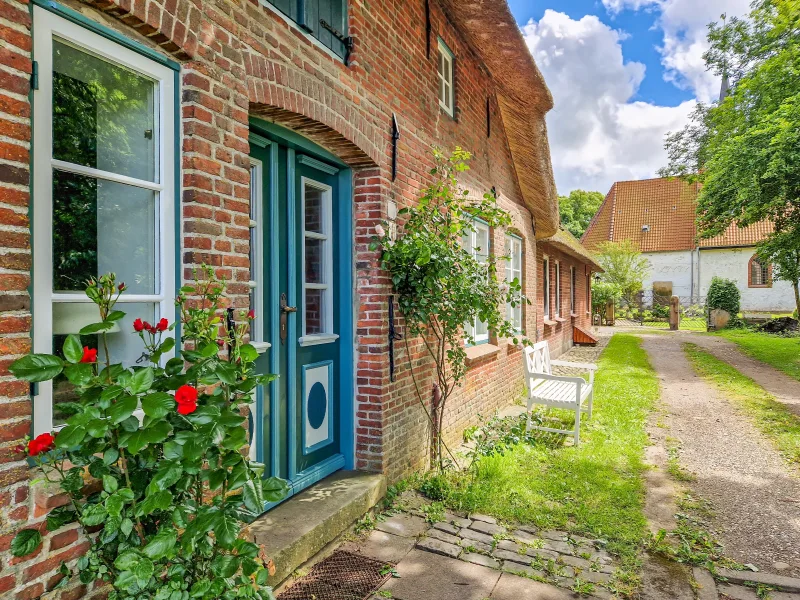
[624, 267]
[745, 149]
[577, 210]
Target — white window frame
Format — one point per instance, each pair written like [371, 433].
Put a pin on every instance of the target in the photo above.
[572, 281]
[546, 285]
[446, 90]
[558, 289]
[257, 282]
[472, 247]
[327, 336]
[514, 271]
[46, 26]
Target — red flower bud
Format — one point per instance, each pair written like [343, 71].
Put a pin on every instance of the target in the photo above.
[138, 325]
[89, 355]
[251, 315]
[163, 324]
[121, 287]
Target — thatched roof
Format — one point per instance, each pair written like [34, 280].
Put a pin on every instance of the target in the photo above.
[566, 242]
[523, 98]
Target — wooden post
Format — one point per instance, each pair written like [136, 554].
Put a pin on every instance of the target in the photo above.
[610, 312]
[674, 313]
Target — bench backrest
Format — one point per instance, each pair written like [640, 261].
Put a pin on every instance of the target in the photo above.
[537, 359]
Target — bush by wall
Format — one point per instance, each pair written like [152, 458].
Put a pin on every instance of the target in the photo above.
[723, 293]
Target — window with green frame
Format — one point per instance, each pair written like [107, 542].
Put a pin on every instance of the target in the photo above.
[326, 20]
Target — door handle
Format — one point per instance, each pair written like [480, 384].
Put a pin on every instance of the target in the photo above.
[286, 310]
[289, 309]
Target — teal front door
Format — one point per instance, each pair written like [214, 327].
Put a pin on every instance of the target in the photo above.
[297, 250]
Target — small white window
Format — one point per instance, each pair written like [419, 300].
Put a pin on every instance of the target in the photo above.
[558, 288]
[546, 282]
[103, 160]
[257, 272]
[317, 262]
[477, 243]
[514, 273]
[446, 88]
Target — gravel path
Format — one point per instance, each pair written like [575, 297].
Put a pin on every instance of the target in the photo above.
[756, 500]
[779, 384]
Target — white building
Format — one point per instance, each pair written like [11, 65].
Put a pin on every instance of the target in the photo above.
[658, 215]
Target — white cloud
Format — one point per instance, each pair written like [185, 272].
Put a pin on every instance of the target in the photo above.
[684, 24]
[597, 135]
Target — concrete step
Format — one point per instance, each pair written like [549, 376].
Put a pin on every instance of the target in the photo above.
[297, 529]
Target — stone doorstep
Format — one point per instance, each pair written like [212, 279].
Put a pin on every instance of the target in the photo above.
[296, 530]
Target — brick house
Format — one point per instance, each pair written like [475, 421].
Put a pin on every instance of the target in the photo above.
[658, 216]
[268, 143]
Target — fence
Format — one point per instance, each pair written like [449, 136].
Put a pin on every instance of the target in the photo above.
[652, 310]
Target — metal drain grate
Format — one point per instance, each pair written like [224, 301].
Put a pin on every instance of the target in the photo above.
[341, 576]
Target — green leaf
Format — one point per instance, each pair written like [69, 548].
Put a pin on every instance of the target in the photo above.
[115, 315]
[60, 516]
[161, 543]
[158, 405]
[37, 367]
[141, 381]
[174, 366]
[93, 514]
[73, 349]
[126, 527]
[111, 392]
[167, 345]
[97, 428]
[25, 542]
[96, 328]
[173, 450]
[200, 588]
[122, 409]
[248, 353]
[135, 441]
[167, 475]
[110, 456]
[274, 489]
[70, 436]
[110, 483]
[226, 530]
[114, 504]
[216, 478]
[79, 374]
[225, 565]
[253, 496]
[209, 350]
[127, 560]
[226, 373]
[158, 501]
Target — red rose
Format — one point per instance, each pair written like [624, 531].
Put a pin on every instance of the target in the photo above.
[121, 287]
[187, 408]
[163, 324]
[41, 443]
[251, 315]
[89, 355]
[138, 325]
[148, 327]
[186, 394]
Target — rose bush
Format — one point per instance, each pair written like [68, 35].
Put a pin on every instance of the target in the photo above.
[153, 457]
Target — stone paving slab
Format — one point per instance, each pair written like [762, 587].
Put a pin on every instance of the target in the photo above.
[382, 546]
[785, 584]
[403, 524]
[513, 587]
[439, 547]
[426, 576]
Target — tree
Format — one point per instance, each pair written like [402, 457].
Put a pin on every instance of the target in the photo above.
[745, 150]
[624, 267]
[577, 210]
[440, 285]
[604, 292]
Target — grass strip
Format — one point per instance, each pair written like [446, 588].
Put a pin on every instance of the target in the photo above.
[783, 353]
[771, 417]
[595, 489]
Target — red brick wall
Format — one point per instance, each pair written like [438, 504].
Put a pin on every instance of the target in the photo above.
[240, 59]
[559, 335]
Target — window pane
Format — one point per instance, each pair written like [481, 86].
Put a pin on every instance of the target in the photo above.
[315, 303]
[314, 211]
[104, 115]
[124, 345]
[481, 330]
[315, 265]
[100, 227]
[482, 243]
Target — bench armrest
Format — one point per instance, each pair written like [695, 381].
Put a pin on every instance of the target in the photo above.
[564, 363]
[579, 380]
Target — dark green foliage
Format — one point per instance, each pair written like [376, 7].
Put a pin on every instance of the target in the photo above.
[577, 210]
[723, 293]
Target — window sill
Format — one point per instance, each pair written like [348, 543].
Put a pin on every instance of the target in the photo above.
[475, 353]
[320, 338]
[550, 323]
[573, 315]
[561, 320]
[261, 347]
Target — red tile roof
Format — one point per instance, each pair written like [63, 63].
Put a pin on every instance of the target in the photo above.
[658, 215]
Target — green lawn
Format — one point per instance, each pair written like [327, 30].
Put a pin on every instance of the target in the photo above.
[595, 489]
[783, 353]
[774, 420]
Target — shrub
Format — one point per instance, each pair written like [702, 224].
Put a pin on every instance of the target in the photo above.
[162, 450]
[723, 293]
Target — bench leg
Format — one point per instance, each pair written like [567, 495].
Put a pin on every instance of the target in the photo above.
[591, 399]
[578, 425]
[528, 423]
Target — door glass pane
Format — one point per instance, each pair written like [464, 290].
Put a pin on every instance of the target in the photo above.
[100, 227]
[124, 344]
[314, 317]
[314, 212]
[104, 115]
[315, 266]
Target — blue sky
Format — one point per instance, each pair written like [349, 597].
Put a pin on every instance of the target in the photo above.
[623, 73]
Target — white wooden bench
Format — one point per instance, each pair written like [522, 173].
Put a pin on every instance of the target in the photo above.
[557, 391]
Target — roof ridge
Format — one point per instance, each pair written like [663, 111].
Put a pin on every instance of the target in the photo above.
[613, 212]
[598, 213]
